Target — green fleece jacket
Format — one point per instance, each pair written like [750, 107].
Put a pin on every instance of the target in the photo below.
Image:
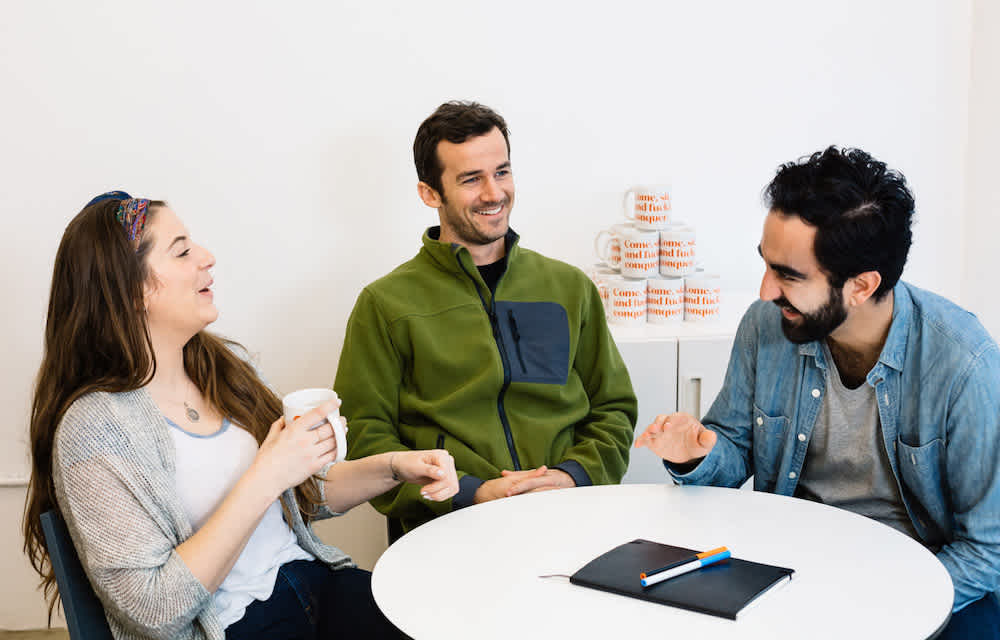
[530, 376]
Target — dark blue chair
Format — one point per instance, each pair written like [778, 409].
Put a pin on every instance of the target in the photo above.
[84, 613]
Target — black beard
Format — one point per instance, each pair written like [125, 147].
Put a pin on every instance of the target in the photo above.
[816, 325]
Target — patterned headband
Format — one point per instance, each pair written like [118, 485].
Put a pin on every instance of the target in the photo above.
[109, 195]
[131, 212]
[132, 215]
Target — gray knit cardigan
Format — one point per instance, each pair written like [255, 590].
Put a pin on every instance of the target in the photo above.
[113, 466]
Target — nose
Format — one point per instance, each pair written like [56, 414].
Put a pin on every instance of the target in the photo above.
[492, 191]
[769, 289]
[207, 259]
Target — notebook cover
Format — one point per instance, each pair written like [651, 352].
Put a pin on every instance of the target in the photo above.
[722, 589]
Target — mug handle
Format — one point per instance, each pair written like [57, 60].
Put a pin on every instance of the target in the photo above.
[626, 207]
[340, 433]
[603, 248]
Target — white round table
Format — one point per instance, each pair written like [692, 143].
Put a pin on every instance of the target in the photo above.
[475, 573]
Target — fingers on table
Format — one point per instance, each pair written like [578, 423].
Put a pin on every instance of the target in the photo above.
[530, 484]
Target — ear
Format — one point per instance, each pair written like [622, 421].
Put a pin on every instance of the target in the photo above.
[148, 289]
[860, 288]
[429, 195]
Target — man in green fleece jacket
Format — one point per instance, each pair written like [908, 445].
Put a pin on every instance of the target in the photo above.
[478, 346]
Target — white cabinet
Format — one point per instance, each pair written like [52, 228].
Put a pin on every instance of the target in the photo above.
[701, 370]
[677, 367]
[652, 366]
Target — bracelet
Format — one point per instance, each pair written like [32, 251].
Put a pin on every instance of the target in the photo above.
[392, 469]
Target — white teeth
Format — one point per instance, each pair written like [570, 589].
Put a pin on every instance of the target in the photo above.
[490, 212]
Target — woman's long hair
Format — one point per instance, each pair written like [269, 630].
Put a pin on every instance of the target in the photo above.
[97, 339]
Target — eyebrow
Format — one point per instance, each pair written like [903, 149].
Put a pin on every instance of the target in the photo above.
[783, 269]
[175, 241]
[469, 174]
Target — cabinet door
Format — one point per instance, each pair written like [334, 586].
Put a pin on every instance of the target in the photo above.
[652, 366]
[701, 370]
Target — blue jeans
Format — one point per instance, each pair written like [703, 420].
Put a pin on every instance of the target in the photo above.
[978, 621]
[312, 601]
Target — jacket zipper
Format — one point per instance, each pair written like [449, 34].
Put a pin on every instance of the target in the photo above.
[440, 442]
[498, 338]
[517, 339]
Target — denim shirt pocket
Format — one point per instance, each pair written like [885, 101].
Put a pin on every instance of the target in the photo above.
[921, 470]
[768, 443]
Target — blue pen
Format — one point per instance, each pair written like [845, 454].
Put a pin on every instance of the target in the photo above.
[690, 558]
[694, 565]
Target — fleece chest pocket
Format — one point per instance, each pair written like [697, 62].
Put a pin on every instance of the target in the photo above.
[536, 338]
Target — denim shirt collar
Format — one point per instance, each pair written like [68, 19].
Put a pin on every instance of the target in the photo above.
[894, 350]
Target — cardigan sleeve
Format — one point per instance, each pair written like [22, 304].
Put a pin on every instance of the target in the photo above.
[125, 540]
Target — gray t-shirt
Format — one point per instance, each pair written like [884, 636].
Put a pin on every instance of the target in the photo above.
[846, 464]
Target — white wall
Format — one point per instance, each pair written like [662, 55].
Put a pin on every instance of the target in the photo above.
[282, 136]
[982, 227]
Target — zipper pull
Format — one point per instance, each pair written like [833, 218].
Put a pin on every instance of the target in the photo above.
[513, 325]
[517, 339]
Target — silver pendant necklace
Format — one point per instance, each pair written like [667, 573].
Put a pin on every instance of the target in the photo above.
[192, 413]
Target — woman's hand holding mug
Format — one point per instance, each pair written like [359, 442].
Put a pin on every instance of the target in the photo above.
[293, 452]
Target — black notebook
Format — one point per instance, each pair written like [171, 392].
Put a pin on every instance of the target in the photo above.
[724, 589]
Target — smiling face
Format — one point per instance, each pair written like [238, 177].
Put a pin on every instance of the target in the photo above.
[478, 194]
[178, 298]
[811, 309]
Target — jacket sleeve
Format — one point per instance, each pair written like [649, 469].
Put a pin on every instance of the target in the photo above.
[127, 551]
[368, 381]
[972, 468]
[728, 463]
[602, 439]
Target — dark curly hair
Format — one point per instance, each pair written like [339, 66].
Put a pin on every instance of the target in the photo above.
[861, 209]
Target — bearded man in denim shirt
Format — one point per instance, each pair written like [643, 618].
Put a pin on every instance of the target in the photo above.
[850, 387]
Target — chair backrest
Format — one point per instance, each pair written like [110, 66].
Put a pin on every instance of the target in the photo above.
[84, 613]
[393, 529]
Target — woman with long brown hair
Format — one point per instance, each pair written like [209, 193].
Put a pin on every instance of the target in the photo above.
[188, 502]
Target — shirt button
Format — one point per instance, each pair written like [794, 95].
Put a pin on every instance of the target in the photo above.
[802, 437]
[760, 421]
[791, 475]
[815, 393]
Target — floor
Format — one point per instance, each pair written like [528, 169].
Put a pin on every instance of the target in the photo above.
[52, 634]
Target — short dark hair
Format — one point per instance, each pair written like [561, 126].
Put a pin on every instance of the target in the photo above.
[455, 121]
[862, 212]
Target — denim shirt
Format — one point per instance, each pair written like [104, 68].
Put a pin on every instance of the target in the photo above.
[937, 383]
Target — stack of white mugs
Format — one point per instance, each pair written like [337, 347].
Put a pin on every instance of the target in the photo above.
[648, 270]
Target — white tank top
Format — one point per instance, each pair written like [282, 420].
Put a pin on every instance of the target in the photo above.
[207, 468]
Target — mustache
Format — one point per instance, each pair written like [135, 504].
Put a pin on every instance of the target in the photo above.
[785, 304]
[496, 203]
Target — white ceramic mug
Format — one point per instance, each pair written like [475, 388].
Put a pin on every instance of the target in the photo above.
[301, 402]
[664, 300]
[628, 301]
[677, 251]
[702, 297]
[640, 253]
[600, 275]
[608, 245]
[649, 206]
